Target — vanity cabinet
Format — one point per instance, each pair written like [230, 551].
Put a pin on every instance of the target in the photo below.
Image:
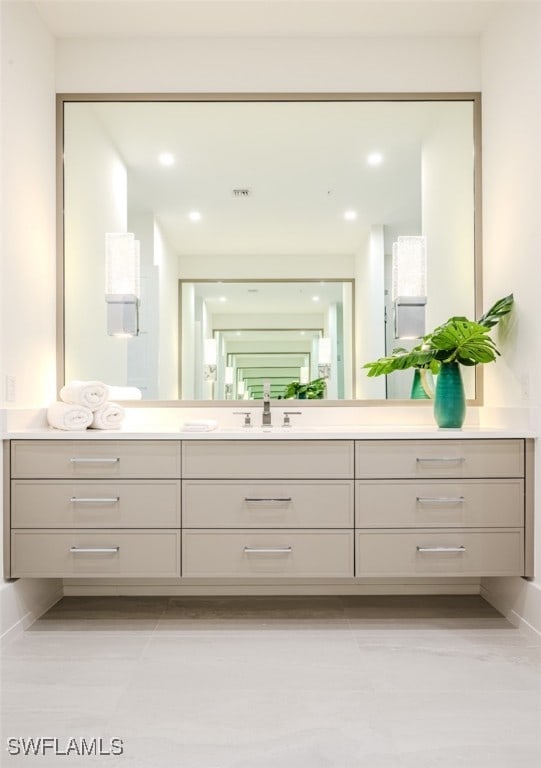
[77, 509]
[275, 509]
[286, 509]
[440, 508]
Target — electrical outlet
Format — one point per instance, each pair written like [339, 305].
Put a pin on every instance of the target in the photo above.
[10, 393]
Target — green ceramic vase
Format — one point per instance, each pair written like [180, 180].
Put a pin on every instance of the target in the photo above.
[418, 391]
[449, 399]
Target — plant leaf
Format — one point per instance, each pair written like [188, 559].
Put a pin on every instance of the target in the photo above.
[498, 310]
[416, 358]
[465, 341]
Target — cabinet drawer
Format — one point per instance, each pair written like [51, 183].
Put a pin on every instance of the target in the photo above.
[253, 459]
[437, 503]
[237, 504]
[123, 553]
[442, 553]
[95, 458]
[264, 554]
[95, 504]
[439, 458]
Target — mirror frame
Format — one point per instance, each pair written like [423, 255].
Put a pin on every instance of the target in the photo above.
[63, 98]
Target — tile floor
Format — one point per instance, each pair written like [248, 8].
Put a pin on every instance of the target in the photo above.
[287, 682]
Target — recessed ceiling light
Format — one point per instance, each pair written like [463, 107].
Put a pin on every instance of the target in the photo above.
[315, 298]
[350, 215]
[374, 158]
[222, 298]
[194, 216]
[166, 158]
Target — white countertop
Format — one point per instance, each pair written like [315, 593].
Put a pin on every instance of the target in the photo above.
[353, 432]
[397, 423]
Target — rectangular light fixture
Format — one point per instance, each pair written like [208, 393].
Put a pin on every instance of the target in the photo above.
[122, 283]
[409, 266]
[409, 290]
[324, 357]
[210, 357]
[210, 352]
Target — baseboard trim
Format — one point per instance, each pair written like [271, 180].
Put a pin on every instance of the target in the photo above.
[260, 589]
[27, 619]
[518, 600]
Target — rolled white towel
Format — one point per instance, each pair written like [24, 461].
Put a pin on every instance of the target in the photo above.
[109, 416]
[69, 416]
[124, 393]
[91, 394]
[199, 425]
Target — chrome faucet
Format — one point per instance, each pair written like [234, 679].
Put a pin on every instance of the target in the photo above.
[267, 420]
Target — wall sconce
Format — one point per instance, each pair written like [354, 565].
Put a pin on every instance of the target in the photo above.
[304, 374]
[324, 358]
[228, 381]
[409, 287]
[122, 283]
[209, 359]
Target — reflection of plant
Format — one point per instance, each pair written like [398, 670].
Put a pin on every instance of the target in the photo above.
[314, 390]
[458, 340]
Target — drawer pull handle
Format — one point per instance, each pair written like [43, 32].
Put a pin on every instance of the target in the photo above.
[440, 499]
[84, 460]
[97, 500]
[277, 500]
[94, 550]
[441, 549]
[268, 550]
[456, 459]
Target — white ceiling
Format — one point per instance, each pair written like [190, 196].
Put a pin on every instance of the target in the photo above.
[303, 162]
[264, 18]
[265, 297]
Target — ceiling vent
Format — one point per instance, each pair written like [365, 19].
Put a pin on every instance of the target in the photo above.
[242, 192]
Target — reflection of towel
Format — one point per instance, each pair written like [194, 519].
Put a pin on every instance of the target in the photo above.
[199, 425]
[124, 393]
[109, 416]
[91, 394]
[69, 416]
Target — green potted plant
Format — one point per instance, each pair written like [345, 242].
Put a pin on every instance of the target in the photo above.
[313, 390]
[457, 342]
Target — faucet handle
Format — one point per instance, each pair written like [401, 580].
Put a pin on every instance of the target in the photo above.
[247, 417]
[287, 414]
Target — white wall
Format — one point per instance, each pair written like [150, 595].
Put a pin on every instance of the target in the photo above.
[96, 202]
[166, 263]
[28, 288]
[511, 79]
[340, 266]
[142, 369]
[370, 311]
[511, 67]
[27, 217]
[273, 65]
[448, 214]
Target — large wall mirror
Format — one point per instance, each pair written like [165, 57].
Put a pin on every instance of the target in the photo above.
[261, 235]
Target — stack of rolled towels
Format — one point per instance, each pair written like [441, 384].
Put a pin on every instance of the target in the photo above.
[85, 404]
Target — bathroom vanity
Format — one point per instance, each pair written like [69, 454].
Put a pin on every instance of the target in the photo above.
[285, 507]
